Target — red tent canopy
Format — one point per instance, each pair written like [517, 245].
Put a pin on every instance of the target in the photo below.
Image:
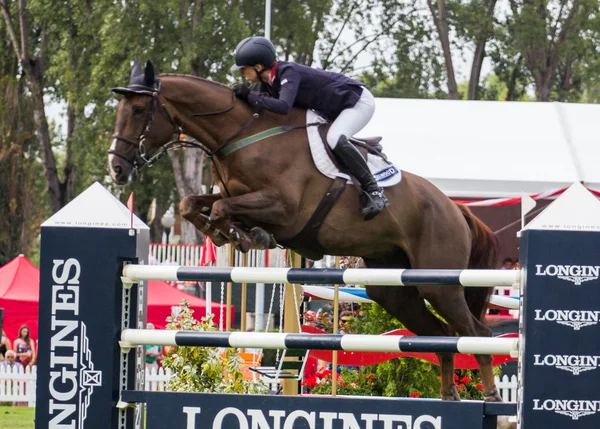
[19, 294]
[162, 297]
[20, 289]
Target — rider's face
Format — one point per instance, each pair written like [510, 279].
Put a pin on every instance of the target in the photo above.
[249, 74]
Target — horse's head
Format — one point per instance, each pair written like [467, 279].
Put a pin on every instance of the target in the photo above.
[142, 126]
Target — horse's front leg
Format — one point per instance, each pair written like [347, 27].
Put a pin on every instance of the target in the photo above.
[195, 209]
[263, 206]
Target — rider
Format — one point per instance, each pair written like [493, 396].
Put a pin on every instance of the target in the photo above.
[342, 100]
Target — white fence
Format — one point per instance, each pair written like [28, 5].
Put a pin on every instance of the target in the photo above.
[19, 386]
[188, 255]
[507, 387]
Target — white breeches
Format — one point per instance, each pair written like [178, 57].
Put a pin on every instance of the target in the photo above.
[352, 120]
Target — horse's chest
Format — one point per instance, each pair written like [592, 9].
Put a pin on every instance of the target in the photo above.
[235, 188]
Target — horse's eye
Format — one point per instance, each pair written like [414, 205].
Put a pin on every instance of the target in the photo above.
[137, 110]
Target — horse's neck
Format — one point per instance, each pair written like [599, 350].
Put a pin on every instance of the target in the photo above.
[197, 96]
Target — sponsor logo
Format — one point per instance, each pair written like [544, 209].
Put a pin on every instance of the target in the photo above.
[72, 374]
[576, 319]
[574, 364]
[386, 174]
[255, 418]
[568, 407]
[577, 274]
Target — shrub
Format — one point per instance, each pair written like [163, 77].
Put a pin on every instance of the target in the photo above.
[204, 369]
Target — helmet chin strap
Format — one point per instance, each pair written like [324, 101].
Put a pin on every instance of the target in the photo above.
[259, 75]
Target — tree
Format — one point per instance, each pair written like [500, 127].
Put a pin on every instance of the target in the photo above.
[557, 41]
[30, 39]
[20, 184]
[473, 24]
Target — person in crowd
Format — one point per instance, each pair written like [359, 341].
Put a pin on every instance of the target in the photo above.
[25, 348]
[507, 264]
[4, 345]
[153, 353]
[10, 361]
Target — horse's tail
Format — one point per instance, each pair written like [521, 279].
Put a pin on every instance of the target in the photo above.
[484, 255]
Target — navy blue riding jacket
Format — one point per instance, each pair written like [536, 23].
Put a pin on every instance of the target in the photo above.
[301, 86]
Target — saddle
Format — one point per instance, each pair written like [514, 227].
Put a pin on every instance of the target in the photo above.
[369, 145]
[366, 145]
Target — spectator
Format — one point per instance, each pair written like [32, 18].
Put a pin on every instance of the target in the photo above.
[25, 347]
[153, 353]
[310, 371]
[4, 345]
[10, 361]
[507, 264]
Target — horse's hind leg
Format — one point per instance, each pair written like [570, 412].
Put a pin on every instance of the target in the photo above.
[406, 305]
[450, 303]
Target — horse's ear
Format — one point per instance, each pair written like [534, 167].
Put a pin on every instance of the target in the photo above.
[136, 70]
[149, 77]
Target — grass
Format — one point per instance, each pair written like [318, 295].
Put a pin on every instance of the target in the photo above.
[16, 417]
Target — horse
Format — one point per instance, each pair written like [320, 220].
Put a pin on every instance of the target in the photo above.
[269, 191]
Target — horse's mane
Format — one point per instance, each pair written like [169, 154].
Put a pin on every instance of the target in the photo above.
[192, 77]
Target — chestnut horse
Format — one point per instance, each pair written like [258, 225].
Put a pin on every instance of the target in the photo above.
[272, 187]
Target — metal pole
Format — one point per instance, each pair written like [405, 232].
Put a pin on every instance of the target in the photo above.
[244, 296]
[268, 19]
[231, 255]
[336, 324]
[259, 297]
[290, 321]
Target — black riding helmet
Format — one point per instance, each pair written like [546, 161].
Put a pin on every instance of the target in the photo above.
[252, 51]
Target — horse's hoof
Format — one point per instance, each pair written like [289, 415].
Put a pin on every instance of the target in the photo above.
[261, 239]
[451, 394]
[492, 395]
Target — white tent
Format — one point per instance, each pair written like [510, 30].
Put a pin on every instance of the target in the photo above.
[489, 149]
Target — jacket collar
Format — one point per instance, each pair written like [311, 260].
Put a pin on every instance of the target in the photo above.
[273, 72]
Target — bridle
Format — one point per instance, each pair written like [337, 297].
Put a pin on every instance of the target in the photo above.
[140, 158]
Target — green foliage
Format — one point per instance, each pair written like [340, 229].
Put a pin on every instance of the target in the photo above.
[22, 186]
[397, 377]
[407, 377]
[204, 369]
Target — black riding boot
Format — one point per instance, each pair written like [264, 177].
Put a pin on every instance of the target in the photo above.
[372, 201]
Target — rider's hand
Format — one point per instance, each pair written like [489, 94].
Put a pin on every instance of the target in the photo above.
[241, 91]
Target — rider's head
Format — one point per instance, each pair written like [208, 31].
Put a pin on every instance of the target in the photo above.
[254, 57]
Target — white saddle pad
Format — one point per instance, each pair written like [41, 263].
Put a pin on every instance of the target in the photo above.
[385, 173]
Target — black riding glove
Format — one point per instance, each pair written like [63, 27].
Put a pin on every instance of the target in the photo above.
[241, 91]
